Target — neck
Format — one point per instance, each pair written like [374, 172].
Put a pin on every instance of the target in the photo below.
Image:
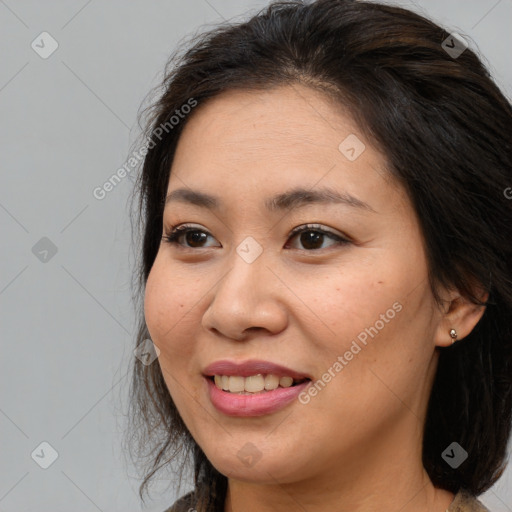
[387, 478]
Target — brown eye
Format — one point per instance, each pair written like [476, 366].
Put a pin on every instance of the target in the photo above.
[194, 237]
[312, 237]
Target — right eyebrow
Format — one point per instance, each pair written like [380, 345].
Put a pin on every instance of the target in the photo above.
[291, 199]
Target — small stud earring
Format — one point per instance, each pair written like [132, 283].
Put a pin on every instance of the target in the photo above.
[453, 334]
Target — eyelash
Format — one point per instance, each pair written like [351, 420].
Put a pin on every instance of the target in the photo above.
[174, 233]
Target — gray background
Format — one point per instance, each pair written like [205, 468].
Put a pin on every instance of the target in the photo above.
[67, 124]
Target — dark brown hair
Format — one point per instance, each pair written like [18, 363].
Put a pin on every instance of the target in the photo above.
[445, 129]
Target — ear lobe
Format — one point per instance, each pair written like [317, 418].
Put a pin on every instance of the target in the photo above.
[462, 315]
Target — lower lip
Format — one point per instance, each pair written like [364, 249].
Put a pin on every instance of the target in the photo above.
[257, 404]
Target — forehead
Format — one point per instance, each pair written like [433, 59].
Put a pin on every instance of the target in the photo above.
[272, 140]
[290, 115]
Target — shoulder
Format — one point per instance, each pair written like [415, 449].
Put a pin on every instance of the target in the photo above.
[462, 502]
[466, 502]
[184, 504]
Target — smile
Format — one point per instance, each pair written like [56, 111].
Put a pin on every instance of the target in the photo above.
[254, 383]
[246, 403]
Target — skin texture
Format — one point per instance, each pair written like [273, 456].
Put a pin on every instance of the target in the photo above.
[356, 446]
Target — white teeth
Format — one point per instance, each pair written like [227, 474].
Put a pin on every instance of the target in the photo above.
[236, 384]
[252, 384]
[271, 382]
[285, 382]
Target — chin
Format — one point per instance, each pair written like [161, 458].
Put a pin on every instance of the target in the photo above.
[247, 465]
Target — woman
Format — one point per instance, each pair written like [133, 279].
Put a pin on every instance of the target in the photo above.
[327, 266]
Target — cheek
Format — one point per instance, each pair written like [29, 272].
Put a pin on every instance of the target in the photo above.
[353, 299]
[168, 308]
[373, 315]
[154, 306]
[169, 316]
[380, 356]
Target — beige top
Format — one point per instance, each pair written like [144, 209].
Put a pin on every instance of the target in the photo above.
[462, 502]
[465, 502]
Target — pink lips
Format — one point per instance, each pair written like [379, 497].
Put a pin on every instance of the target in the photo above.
[257, 404]
[251, 367]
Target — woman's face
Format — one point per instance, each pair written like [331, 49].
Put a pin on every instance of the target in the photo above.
[354, 314]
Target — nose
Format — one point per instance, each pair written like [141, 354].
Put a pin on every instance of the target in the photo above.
[248, 297]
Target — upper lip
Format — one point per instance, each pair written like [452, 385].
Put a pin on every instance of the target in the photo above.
[251, 367]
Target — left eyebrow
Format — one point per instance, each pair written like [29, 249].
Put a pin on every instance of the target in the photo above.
[291, 199]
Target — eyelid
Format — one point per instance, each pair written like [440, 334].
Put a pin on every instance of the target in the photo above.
[173, 232]
[318, 227]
